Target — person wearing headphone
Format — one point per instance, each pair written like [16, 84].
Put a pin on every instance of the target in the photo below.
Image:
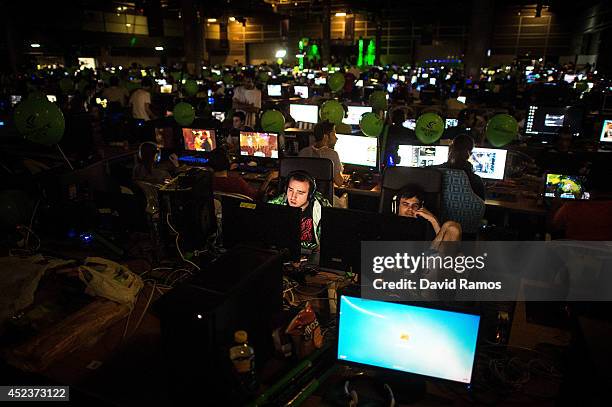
[301, 192]
[409, 202]
[148, 167]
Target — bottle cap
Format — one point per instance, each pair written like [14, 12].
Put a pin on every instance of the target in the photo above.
[240, 336]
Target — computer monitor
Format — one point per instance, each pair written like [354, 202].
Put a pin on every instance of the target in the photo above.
[354, 114]
[359, 83]
[164, 137]
[461, 99]
[410, 124]
[261, 224]
[421, 156]
[161, 82]
[304, 113]
[547, 121]
[565, 187]
[165, 89]
[606, 131]
[263, 145]
[320, 81]
[274, 90]
[569, 78]
[432, 81]
[15, 99]
[199, 140]
[301, 91]
[406, 338]
[52, 98]
[219, 116]
[448, 123]
[489, 163]
[343, 230]
[357, 150]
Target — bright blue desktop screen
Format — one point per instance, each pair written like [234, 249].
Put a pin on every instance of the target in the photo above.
[406, 338]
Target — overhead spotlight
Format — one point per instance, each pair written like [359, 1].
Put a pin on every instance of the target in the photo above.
[232, 19]
[212, 20]
[35, 45]
[341, 14]
[281, 53]
[159, 48]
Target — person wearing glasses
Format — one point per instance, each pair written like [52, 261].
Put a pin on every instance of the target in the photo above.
[409, 202]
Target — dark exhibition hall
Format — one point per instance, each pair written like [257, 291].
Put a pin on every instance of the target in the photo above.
[290, 203]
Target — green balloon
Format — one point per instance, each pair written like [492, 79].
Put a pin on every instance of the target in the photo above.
[336, 81]
[215, 77]
[191, 87]
[273, 121]
[501, 130]
[263, 76]
[176, 75]
[15, 208]
[205, 73]
[343, 128]
[40, 121]
[378, 100]
[581, 86]
[228, 79]
[66, 85]
[332, 111]
[429, 128]
[132, 86]
[184, 114]
[371, 124]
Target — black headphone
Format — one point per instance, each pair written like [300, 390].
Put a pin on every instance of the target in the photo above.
[311, 181]
[157, 153]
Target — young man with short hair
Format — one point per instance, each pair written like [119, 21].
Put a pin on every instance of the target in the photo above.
[459, 152]
[299, 194]
[325, 141]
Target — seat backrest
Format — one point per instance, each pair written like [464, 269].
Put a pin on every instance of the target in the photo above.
[321, 169]
[396, 178]
[459, 202]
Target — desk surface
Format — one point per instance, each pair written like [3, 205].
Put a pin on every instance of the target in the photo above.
[521, 205]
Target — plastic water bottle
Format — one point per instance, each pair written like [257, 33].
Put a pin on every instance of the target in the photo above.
[242, 356]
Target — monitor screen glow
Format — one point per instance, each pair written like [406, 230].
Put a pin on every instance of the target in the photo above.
[421, 156]
[274, 90]
[406, 338]
[354, 114]
[264, 145]
[606, 132]
[199, 140]
[489, 163]
[357, 150]
[301, 91]
[304, 113]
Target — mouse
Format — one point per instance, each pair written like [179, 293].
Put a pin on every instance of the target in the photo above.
[252, 164]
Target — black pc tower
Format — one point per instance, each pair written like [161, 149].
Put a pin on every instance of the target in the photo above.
[241, 290]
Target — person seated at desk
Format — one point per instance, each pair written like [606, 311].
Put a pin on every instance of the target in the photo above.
[584, 220]
[149, 169]
[325, 141]
[301, 192]
[398, 134]
[459, 152]
[409, 203]
[238, 125]
[223, 182]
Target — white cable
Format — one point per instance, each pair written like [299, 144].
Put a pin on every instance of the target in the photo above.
[177, 243]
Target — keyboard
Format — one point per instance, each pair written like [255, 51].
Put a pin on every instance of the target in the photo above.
[257, 170]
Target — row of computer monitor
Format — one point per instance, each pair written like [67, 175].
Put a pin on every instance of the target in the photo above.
[355, 150]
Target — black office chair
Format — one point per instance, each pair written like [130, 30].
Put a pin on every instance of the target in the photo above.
[321, 169]
[396, 178]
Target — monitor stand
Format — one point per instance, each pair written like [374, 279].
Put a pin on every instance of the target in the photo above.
[370, 388]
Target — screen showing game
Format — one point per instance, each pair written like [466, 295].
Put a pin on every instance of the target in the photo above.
[547, 121]
[254, 144]
[320, 81]
[15, 99]
[304, 113]
[354, 114]
[274, 90]
[407, 338]
[565, 187]
[199, 139]
[357, 150]
[421, 156]
[165, 89]
[301, 91]
[461, 99]
[52, 98]
[489, 163]
[606, 132]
